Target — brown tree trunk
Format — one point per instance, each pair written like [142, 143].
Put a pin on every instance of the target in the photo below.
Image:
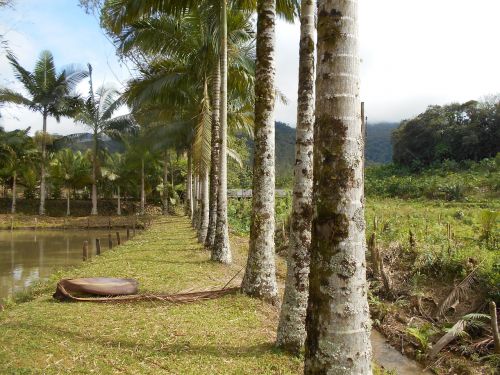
[204, 207]
[94, 177]
[291, 329]
[338, 320]
[214, 156]
[189, 187]
[143, 192]
[118, 202]
[260, 275]
[42, 169]
[14, 185]
[165, 184]
[68, 207]
[221, 251]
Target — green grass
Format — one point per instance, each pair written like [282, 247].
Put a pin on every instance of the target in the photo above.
[231, 335]
[448, 181]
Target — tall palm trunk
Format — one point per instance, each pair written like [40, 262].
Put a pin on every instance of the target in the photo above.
[195, 201]
[143, 193]
[165, 184]
[42, 169]
[94, 176]
[291, 329]
[221, 252]
[214, 158]
[68, 208]
[14, 185]
[118, 202]
[204, 209]
[189, 190]
[338, 321]
[199, 198]
[260, 275]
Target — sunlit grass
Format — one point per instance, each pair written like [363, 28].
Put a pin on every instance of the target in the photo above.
[231, 335]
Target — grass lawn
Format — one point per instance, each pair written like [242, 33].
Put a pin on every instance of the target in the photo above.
[231, 335]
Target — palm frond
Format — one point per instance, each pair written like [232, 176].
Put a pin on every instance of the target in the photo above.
[10, 96]
[459, 292]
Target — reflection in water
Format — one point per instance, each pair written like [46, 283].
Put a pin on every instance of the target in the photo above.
[28, 256]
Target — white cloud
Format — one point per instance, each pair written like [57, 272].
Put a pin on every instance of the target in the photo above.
[414, 53]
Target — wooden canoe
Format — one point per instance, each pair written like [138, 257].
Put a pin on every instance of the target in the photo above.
[97, 286]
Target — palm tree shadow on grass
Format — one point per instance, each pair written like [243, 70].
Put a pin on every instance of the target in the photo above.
[144, 351]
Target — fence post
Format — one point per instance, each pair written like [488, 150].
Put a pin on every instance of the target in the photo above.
[98, 246]
[118, 238]
[128, 233]
[85, 250]
[110, 241]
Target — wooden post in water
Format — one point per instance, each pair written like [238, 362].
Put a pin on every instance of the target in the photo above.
[110, 241]
[118, 238]
[128, 233]
[98, 246]
[85, 250]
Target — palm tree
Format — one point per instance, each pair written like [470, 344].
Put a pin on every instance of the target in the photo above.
[291, 328]
[49, 93]
[114, 171]
[96, 112]
[17, 153]
[338, 321]
[73, 170]
[190, 42]
[260, 275]
[119, 13]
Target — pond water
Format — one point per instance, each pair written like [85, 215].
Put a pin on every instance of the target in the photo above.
[27, 256]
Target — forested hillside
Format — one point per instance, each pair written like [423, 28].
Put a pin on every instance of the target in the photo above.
[378, 145]
[458, 132]
[378, 148]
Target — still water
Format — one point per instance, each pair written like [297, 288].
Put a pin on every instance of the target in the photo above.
[27, 256]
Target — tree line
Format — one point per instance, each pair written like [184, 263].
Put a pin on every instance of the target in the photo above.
[204, 69]
[468, 131]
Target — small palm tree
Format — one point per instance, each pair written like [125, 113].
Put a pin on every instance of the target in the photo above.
[72, 169]
[113, 171]
[96, 112]
[17, 153]
[49, 93]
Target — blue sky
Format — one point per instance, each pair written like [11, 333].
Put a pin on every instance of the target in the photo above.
[414, 53]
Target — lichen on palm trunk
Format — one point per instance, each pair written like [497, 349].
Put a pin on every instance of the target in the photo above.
[338, 322]
[291, 328]
[260, 275]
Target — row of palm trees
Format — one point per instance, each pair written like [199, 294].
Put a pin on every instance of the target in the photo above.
[199, 75]
[187, 70]
[72, 172]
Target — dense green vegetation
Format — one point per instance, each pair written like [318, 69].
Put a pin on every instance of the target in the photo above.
[449, 181]
[468, 131]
